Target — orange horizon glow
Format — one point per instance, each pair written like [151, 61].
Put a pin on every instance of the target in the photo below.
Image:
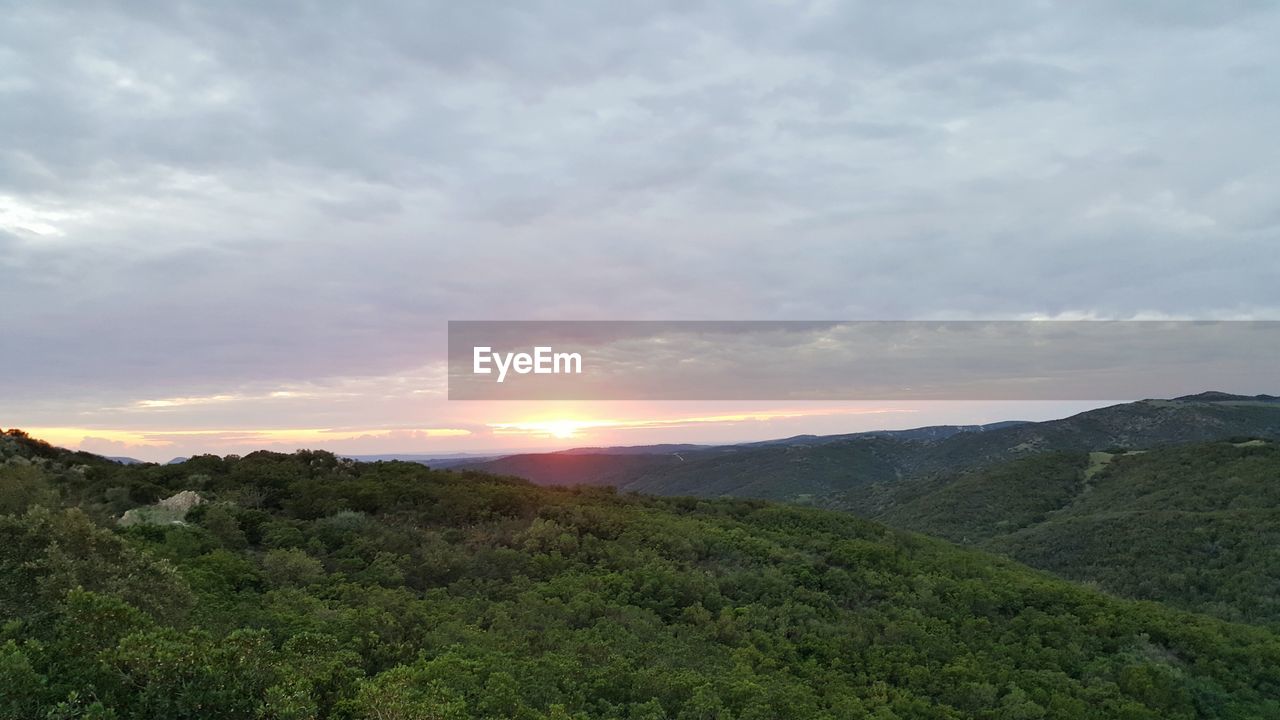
[563, 427]
[73, 436]
[488, 428]
[561, 424]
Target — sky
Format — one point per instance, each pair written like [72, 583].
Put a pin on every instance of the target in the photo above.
[235, 225]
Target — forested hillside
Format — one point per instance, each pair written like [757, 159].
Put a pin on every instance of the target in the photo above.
[303, 585]
[1194, 525]
[861, 472]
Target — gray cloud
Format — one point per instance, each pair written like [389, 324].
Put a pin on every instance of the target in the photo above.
[859, 361]
[199, 196]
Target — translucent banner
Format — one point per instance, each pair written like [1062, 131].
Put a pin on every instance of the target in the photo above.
[859, 360]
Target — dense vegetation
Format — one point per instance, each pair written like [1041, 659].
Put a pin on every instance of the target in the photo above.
[309, 586]
[1128, 497]
[1197, 526]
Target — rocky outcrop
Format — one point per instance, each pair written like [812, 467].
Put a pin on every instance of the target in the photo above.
[169, 511]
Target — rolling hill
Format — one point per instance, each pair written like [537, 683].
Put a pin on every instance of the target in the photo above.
[1129, 497]
[614, 469]
[623, 466]
[851, 471]
[311, 586]
[1196, 526]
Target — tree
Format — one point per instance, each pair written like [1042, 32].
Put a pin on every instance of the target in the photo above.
[24, 486]
[290, 568]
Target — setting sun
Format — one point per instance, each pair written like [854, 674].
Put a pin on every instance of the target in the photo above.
[561, 429]
[573, 423]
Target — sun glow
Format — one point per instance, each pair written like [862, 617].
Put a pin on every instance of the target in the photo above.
[559, 428]
[563, 428]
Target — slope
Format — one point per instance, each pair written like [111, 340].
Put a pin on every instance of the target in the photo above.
[305, 585]
[1196, 526]
[856, 474]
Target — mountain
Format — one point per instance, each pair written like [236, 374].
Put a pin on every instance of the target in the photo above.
[1221, 397]
[859, 472]
[571, 468]
[308, 585]
[662, 449]
[628, 467]
[513, 463]
[931, 432]
[1196, 526]
[123, 460]
[1144, 424]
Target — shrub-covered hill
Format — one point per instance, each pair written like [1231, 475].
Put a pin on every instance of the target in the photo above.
[306, 586]
[1197, 526]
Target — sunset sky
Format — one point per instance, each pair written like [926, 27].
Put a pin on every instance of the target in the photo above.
[160, 434]
[226, 226]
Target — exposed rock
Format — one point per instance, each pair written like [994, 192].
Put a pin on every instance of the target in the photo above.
[169, 511]
[182, 502]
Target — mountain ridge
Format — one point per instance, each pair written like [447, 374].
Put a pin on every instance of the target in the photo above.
[821, 471]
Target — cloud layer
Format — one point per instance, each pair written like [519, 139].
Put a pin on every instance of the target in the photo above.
[225, 199]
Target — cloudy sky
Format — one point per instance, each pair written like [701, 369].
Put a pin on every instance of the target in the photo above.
[232, 225]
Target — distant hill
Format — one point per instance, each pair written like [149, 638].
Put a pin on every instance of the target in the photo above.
[1197, 526]
[502, 462]
[1148, 423]
[1221, 397]
[931, 432]
[852, 471]
[444, 460]
[570, 468]
[625, 466]
[664, 449]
